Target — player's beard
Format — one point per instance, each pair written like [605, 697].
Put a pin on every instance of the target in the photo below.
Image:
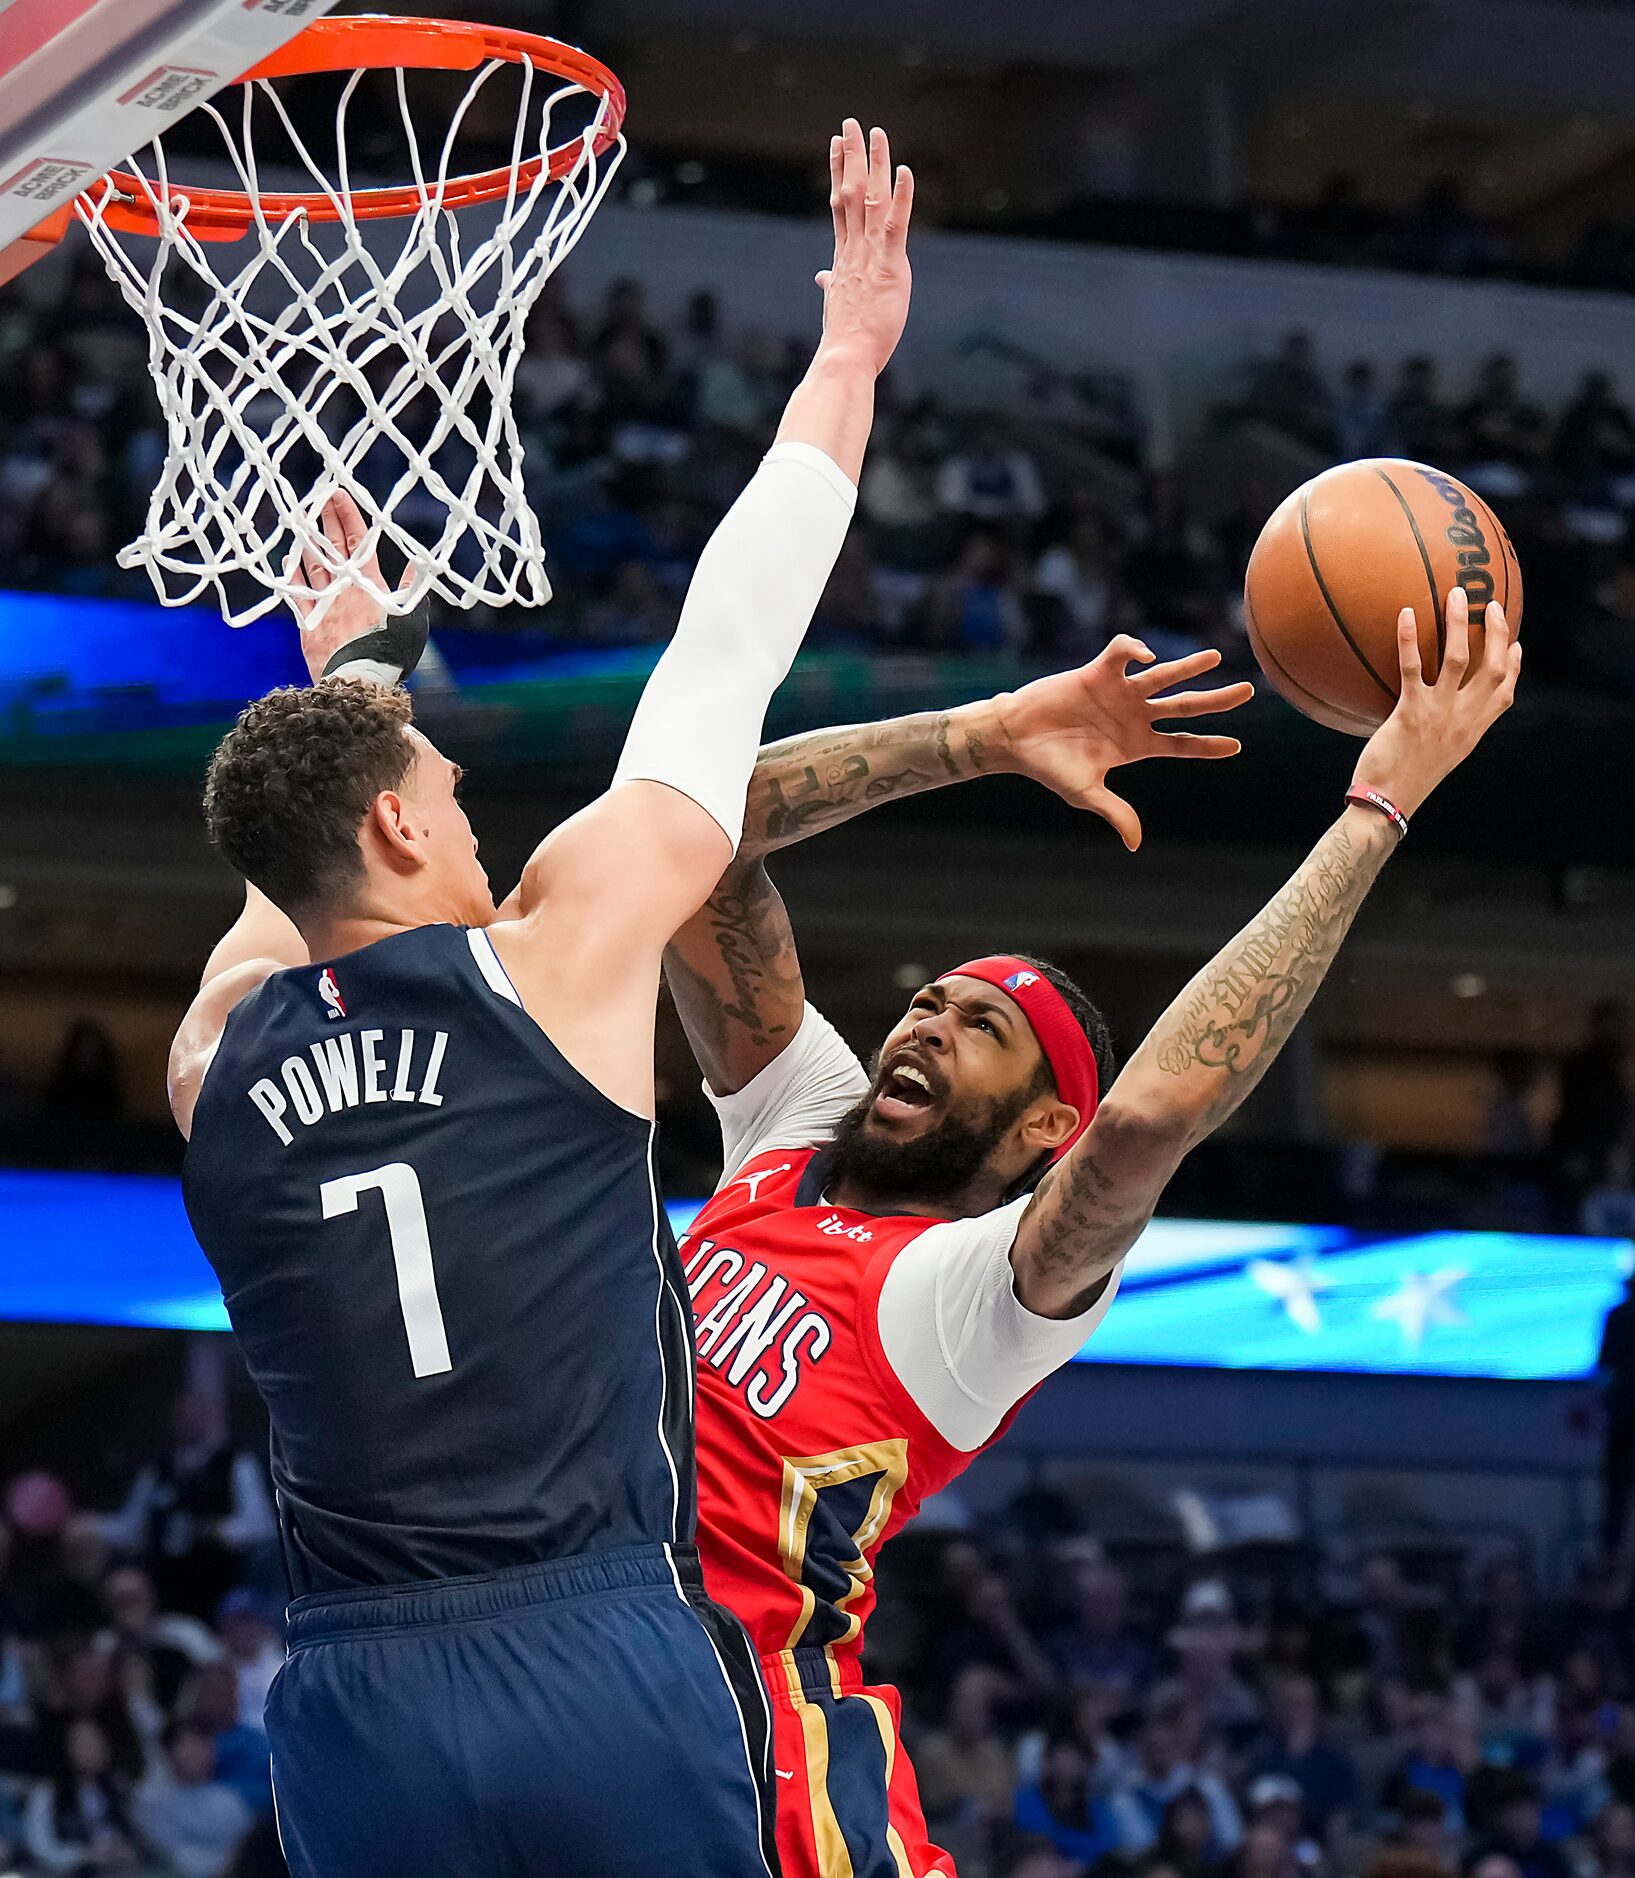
[933, 1167]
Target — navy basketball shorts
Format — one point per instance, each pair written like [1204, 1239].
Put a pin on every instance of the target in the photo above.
[595, 1717]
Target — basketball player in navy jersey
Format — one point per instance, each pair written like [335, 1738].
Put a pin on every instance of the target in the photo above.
[420, 1160]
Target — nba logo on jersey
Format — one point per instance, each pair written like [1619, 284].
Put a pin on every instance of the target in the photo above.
[330, 992]
[1019, 981]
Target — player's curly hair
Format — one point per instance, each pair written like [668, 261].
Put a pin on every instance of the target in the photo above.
[291, 782]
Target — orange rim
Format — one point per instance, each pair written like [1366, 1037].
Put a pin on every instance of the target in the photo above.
[379, 42]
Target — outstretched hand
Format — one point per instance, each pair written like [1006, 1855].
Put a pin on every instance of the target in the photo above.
[352, 612]
[1067, 731]
[1438, 722]
[866, 287]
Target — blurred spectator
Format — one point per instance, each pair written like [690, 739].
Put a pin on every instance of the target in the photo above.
[992, 479]
[1038, 1858]
[67, 1595]
[153, 1649]
[1266, 1852]
[1161, 1773]
[84, 1088]
[1062, 1809]
[975, 607]
[1206, 1644]
[1362, 425]
[1417, 420]
[1299, 1749]
[1514, 1831]
[898, 496]
[967, 1775]
[193, 1821]
[1610, 1852]
[1511, 1132]
[1072, 572]
[86, 1687]
[1435, 1759]
[1615, 1365]
[634, 610]
[1608, 1211]
[1423, 1829]
[253, 1649]
[194, 1515]
[1502, 1622]
[1288, 393]
[1504, 437]
[1441, 235]
[1596, 1110]
[977, 1622]
[243, 1761]
[1187, 1839]
[79, 1822]
[1595, 440]
[1099, 1647]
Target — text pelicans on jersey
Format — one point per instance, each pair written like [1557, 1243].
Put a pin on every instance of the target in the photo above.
[755, 1327]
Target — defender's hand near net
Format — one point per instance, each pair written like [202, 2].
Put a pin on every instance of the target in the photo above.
[866, 288]
[1437, 724]
[354, 611]
[1067, 731]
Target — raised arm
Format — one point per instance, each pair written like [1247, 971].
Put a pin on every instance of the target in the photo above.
[603, 893]
[1219, 1037]
[733, 968]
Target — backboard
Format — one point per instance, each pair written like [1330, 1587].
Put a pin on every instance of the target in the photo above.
[83, 83]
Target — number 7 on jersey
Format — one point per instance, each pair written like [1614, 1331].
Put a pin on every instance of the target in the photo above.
[399, 1189]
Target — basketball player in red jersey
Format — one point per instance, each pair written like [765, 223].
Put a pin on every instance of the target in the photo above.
[895, 1258]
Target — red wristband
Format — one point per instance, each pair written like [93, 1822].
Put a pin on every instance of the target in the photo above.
[1372, 799]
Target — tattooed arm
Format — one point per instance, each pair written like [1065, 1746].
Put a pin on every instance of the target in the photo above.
[1219, 1037]
[733, 969]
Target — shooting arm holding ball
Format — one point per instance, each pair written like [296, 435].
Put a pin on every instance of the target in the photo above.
[1219, 1037]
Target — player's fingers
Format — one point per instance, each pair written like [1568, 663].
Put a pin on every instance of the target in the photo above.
[333, 522]
[1456, 646]
[1204, 703]
[1496, 644]
[1115, 811]
[350, 517]
[837, 171]
[823, 276]
[901, 212]
[1189, 743]
[1124, 649]
[1408, 660]
[877, 198]
[300, 597]
[1175, 671]
[854, 177]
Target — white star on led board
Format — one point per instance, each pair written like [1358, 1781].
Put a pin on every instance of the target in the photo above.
[1294, 1283]
[1426, 1298]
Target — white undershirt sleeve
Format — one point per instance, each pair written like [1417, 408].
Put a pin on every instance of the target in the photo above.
[795, 1101]
[958, 1338]
[752, 597]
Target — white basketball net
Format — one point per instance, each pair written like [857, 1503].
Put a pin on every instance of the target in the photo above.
[316, 365]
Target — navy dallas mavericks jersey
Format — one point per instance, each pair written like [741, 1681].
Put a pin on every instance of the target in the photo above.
[444, 1256]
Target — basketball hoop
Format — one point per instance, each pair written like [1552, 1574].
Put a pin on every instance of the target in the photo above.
[292, 356]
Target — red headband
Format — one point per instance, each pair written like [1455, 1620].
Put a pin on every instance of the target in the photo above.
[1061, 1036]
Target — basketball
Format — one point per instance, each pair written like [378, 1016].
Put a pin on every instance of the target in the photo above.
[1341, 557]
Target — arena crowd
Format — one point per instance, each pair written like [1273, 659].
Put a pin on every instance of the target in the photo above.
[1072, 1708]
[970, 539]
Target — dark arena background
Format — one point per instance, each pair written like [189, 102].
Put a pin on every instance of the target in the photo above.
[1321, 1558]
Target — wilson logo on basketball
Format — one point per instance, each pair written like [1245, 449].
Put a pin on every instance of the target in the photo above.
[1465, 536]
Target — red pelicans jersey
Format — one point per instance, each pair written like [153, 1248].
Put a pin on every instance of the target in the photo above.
[849, 1365]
